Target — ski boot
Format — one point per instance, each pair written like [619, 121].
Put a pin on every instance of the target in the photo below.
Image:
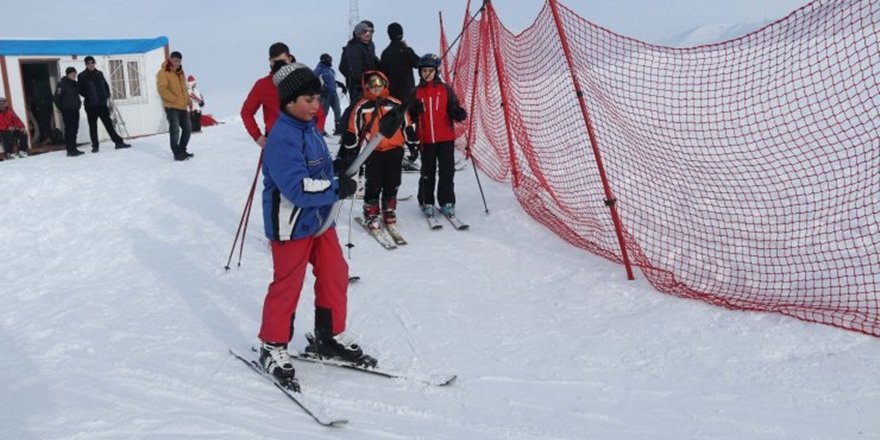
[276, 362]
[448, 210]
[371, 215]
[389, 212]
[340, 347]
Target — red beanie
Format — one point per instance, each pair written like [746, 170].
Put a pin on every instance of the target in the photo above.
[191, 78]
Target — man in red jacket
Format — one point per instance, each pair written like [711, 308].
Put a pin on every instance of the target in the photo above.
[436, 107]
[264, 94]
[12, 129]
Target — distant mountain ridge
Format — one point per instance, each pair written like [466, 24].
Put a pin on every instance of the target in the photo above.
[713, 33]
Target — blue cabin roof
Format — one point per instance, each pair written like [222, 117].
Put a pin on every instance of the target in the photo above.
[80, 47]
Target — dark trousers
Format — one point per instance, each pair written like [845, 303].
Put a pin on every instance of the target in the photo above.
[9, 137]
[383, 176]
[71, 128]
[179, 129]
[43, 115]
[331, 100]
[196, 118]
[442, 154]
[102, 112]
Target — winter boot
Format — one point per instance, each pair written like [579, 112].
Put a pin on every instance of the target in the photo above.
[389, 211]
[340, 347]
[276, 362]
[448, 210]
[371, 214]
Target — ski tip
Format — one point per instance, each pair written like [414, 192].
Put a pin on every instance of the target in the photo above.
[334, 423]
[447, 381]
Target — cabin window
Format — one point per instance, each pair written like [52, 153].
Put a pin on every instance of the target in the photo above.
[125, 79]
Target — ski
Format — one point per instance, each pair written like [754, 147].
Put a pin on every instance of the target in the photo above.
[395, 234]
[409, 167]
[310, 407]
[456, 222]
[378, 234]
[433, 221]
[435, 380]
[353, 279]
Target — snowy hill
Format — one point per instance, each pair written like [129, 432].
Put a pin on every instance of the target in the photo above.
[713, 33]
[116, 316]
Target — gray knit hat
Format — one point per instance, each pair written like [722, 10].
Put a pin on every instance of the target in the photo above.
[361, 28]
[295, 80]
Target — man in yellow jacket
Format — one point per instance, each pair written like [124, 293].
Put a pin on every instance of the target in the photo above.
[171, 82]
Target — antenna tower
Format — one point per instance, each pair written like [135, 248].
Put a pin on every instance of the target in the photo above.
[353, 15]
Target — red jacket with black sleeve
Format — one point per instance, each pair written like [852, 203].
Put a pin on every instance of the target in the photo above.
[265, 94]
[439, 107]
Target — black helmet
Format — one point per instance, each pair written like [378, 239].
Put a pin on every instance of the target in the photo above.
[326, 59]
[429, 60]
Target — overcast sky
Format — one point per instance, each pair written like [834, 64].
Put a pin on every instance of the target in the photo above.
[225, 44]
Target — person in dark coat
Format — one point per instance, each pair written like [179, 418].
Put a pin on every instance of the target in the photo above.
[96, 92]
[358, 56]
[398, 63]
[68, 102]
[41, 107]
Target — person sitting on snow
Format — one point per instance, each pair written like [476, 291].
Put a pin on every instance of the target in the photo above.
[12, 130]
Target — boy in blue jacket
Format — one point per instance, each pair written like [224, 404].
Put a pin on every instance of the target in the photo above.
[299, 188]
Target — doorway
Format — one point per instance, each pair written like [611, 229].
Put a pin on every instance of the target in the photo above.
[39, 79]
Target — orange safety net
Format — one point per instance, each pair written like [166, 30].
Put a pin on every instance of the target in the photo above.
[745, 173]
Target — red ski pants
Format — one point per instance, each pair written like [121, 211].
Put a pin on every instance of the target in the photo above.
[331, 283]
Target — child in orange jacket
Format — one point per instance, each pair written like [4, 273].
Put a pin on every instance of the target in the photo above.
[383, 166]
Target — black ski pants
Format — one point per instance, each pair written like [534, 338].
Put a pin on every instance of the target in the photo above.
[442, 154]
[71, 128]
[383, 176]
[103, 113]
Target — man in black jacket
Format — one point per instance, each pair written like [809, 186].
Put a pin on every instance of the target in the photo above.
[358, 56]
[94, 88]
[68, 102]
[397, 63]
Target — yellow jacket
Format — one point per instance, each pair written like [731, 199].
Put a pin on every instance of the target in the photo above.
[172, 88]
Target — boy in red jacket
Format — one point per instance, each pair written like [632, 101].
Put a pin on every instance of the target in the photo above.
[264, 94]
[436, 106]
[12, 129]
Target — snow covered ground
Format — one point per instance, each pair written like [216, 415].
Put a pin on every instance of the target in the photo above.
[116, 316]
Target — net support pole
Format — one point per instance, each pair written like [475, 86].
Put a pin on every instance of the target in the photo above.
[491, 23]
[473, 97]
[444, 47]
[610, 200]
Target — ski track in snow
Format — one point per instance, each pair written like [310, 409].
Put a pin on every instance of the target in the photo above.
[116, 315]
